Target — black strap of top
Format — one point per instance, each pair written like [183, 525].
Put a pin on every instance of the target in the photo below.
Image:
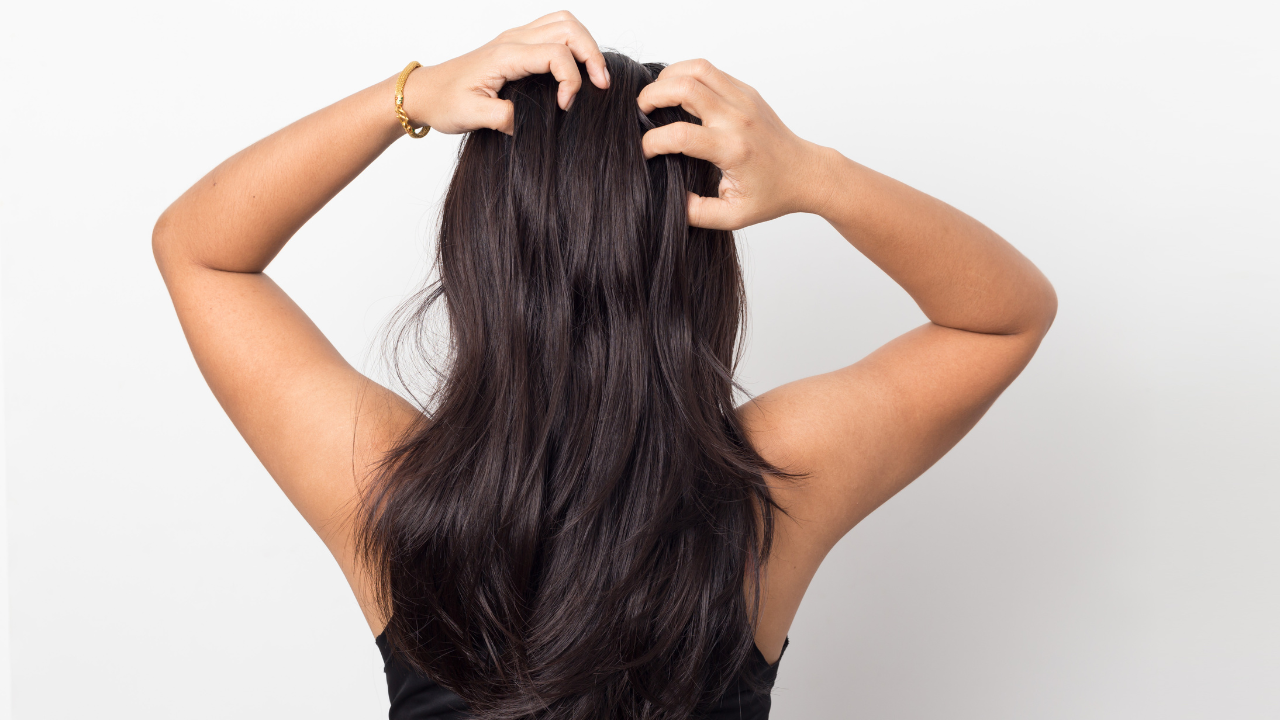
[418, 697]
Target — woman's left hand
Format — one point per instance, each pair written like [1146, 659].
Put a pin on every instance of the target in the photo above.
[461, 95]
[768, 171]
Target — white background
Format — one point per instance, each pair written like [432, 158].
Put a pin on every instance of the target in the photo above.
[1103, 545]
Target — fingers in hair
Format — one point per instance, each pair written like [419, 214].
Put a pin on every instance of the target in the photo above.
[563, 27]
[683, 138]
[541, 58]
[684, 90]
[704, 72]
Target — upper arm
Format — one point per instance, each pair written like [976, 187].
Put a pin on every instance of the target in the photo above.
[315, 423]
[864, 432]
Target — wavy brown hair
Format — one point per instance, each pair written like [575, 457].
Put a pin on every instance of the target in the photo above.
[576, 528]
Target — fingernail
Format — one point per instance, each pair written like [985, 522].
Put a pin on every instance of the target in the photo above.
[607, 79]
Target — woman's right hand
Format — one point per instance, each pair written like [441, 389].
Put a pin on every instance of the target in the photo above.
[461, 95]
[768, 171]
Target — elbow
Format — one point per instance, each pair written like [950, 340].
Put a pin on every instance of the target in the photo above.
[162, 240]
[159, 234]
[1050, 303]
[1043, 309]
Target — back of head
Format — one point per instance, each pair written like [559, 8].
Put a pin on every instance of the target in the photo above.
[571, 533]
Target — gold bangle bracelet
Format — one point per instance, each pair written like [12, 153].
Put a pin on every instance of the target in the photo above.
[400, 113]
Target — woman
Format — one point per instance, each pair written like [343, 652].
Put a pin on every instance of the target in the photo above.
[583, 525]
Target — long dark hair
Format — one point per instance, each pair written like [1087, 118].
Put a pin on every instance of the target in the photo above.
[576, 528]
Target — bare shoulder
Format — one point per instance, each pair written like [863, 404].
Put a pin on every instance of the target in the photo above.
[861, 434]
[381, 421]
[318, 425]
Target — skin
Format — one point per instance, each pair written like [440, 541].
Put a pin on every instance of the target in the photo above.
[862, 432]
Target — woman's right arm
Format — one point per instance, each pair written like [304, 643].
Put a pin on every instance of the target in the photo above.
[865, 431]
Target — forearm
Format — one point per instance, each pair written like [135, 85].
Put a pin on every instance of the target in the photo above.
[960, 273]
[239, 216]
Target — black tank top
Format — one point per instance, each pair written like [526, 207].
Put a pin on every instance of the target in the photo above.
[418, 697]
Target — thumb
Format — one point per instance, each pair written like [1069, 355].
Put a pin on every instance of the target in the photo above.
[711, 213]
[493, 113]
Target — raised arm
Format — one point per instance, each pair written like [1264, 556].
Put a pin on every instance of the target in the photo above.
[284, 386]
[865, 431]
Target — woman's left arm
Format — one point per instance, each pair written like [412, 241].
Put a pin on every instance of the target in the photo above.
[284, 386]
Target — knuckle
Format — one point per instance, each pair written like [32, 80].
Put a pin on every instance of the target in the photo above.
[701, 67]
[560, 54]
[681, 134]
[561, 29]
